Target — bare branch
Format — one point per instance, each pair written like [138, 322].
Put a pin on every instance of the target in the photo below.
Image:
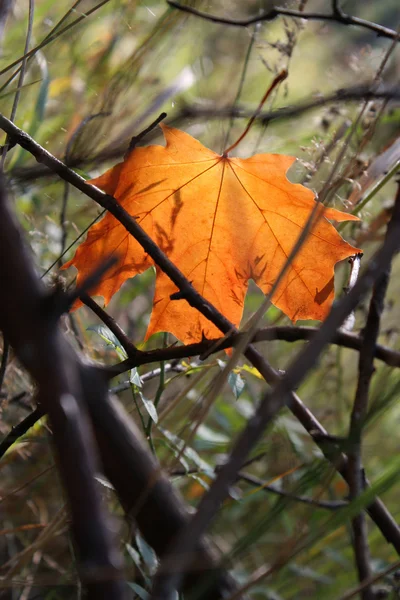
[356, 93]
[131, 350]
[32, 332]
[269, 488]
[144, 491]
[337, 16]
[19, 430]
[169, 579]
[360, 407]
[360, 92]
[284, 333]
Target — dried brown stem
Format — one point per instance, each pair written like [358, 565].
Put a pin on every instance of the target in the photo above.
[33, 333]
[360, 407]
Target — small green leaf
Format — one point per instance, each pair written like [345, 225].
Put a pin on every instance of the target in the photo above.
[109, 339]
[134, 554]
[104, 482]
[188, 452]
[209, 435]
[237, 383]
[149, 406]
[134, 378]
[235, 380]
[147, 553]
[139, 591]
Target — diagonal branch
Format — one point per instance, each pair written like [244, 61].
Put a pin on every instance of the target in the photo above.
[170, 573]
[67, 391]
[145, 493]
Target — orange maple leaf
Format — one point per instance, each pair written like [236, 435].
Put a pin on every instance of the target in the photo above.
[221, 221]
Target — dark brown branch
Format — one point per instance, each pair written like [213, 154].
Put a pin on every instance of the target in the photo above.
[170, 573]
[33, 333]
[337, 16]
[140, 137]
[259, 483]
[359, 411]
[19, 430]
[284, 333]
[356, 93]
[4, 360]
[144, 491]
[146, 495]
[131, 350]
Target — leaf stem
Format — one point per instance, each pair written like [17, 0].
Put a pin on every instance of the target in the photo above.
[241, 83]
[278, 79]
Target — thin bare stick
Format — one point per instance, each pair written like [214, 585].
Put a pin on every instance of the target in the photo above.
[278, 79]
[337, 16]
[359, 412]
[33, 333]
[285, 333]
[351, 94]
[131, 350]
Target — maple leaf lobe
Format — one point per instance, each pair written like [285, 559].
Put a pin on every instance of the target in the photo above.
[221, 221]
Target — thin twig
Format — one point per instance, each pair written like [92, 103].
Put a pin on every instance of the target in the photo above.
[131, 350]
[19, 430]
[4, 359]
[359, 411]
[337, 16]
[285, 333]
[351, 94]
[263, 486]
[9, 144]
[138, 138]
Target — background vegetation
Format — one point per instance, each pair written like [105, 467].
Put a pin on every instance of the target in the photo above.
[106, 72]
